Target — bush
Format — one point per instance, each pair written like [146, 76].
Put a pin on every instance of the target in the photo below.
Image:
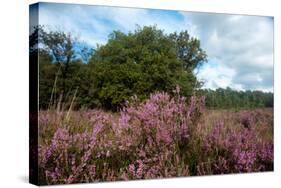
[159, 137]
[146, 141]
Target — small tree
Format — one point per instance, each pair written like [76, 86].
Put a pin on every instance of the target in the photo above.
[60, 60]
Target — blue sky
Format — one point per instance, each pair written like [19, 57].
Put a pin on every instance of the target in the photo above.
[239, 48]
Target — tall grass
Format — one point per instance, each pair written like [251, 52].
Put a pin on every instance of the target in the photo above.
[164, 136]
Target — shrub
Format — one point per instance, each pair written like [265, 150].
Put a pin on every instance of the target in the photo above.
[237, 150]
[147, 140]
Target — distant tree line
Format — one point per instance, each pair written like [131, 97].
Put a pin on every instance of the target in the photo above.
[135, 63]
[229, 98]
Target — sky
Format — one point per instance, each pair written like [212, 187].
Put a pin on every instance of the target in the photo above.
[239, 47]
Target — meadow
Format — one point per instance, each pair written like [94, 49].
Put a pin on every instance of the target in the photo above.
[162, 137]
[133, 108]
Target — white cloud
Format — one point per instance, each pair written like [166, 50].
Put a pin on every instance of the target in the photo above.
[95, 23]
[240, 47]
[216, 76]
[241, 43]
[74, 19]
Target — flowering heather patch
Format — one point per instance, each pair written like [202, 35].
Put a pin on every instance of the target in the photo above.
[160, 137]
[237, 150]
[246, 118]
[255, 117]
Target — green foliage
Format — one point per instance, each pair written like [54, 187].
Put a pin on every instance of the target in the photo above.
[229, 98]
[188, 50]
[137, 63]
[142, 62]
[59, 68]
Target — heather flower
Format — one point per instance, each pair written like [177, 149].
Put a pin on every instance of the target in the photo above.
[132, 170]
[159, 137]
[246, 119]
[241, 148]
[140, 169]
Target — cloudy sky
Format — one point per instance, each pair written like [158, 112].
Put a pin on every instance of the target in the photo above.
[239, 48]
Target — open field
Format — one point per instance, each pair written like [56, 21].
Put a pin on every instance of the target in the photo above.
[162, 137]
[187, 95]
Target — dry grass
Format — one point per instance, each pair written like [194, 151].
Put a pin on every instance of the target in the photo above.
[79, 121]
[262, 120]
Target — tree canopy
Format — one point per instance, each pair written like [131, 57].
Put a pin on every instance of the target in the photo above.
[136, 63]
[229, 98]
[144, 61]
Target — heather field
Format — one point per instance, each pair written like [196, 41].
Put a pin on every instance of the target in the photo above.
[128, 94]
[164, 136]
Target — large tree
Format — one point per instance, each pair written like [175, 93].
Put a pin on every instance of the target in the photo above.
[135, 63]
[143, 61]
